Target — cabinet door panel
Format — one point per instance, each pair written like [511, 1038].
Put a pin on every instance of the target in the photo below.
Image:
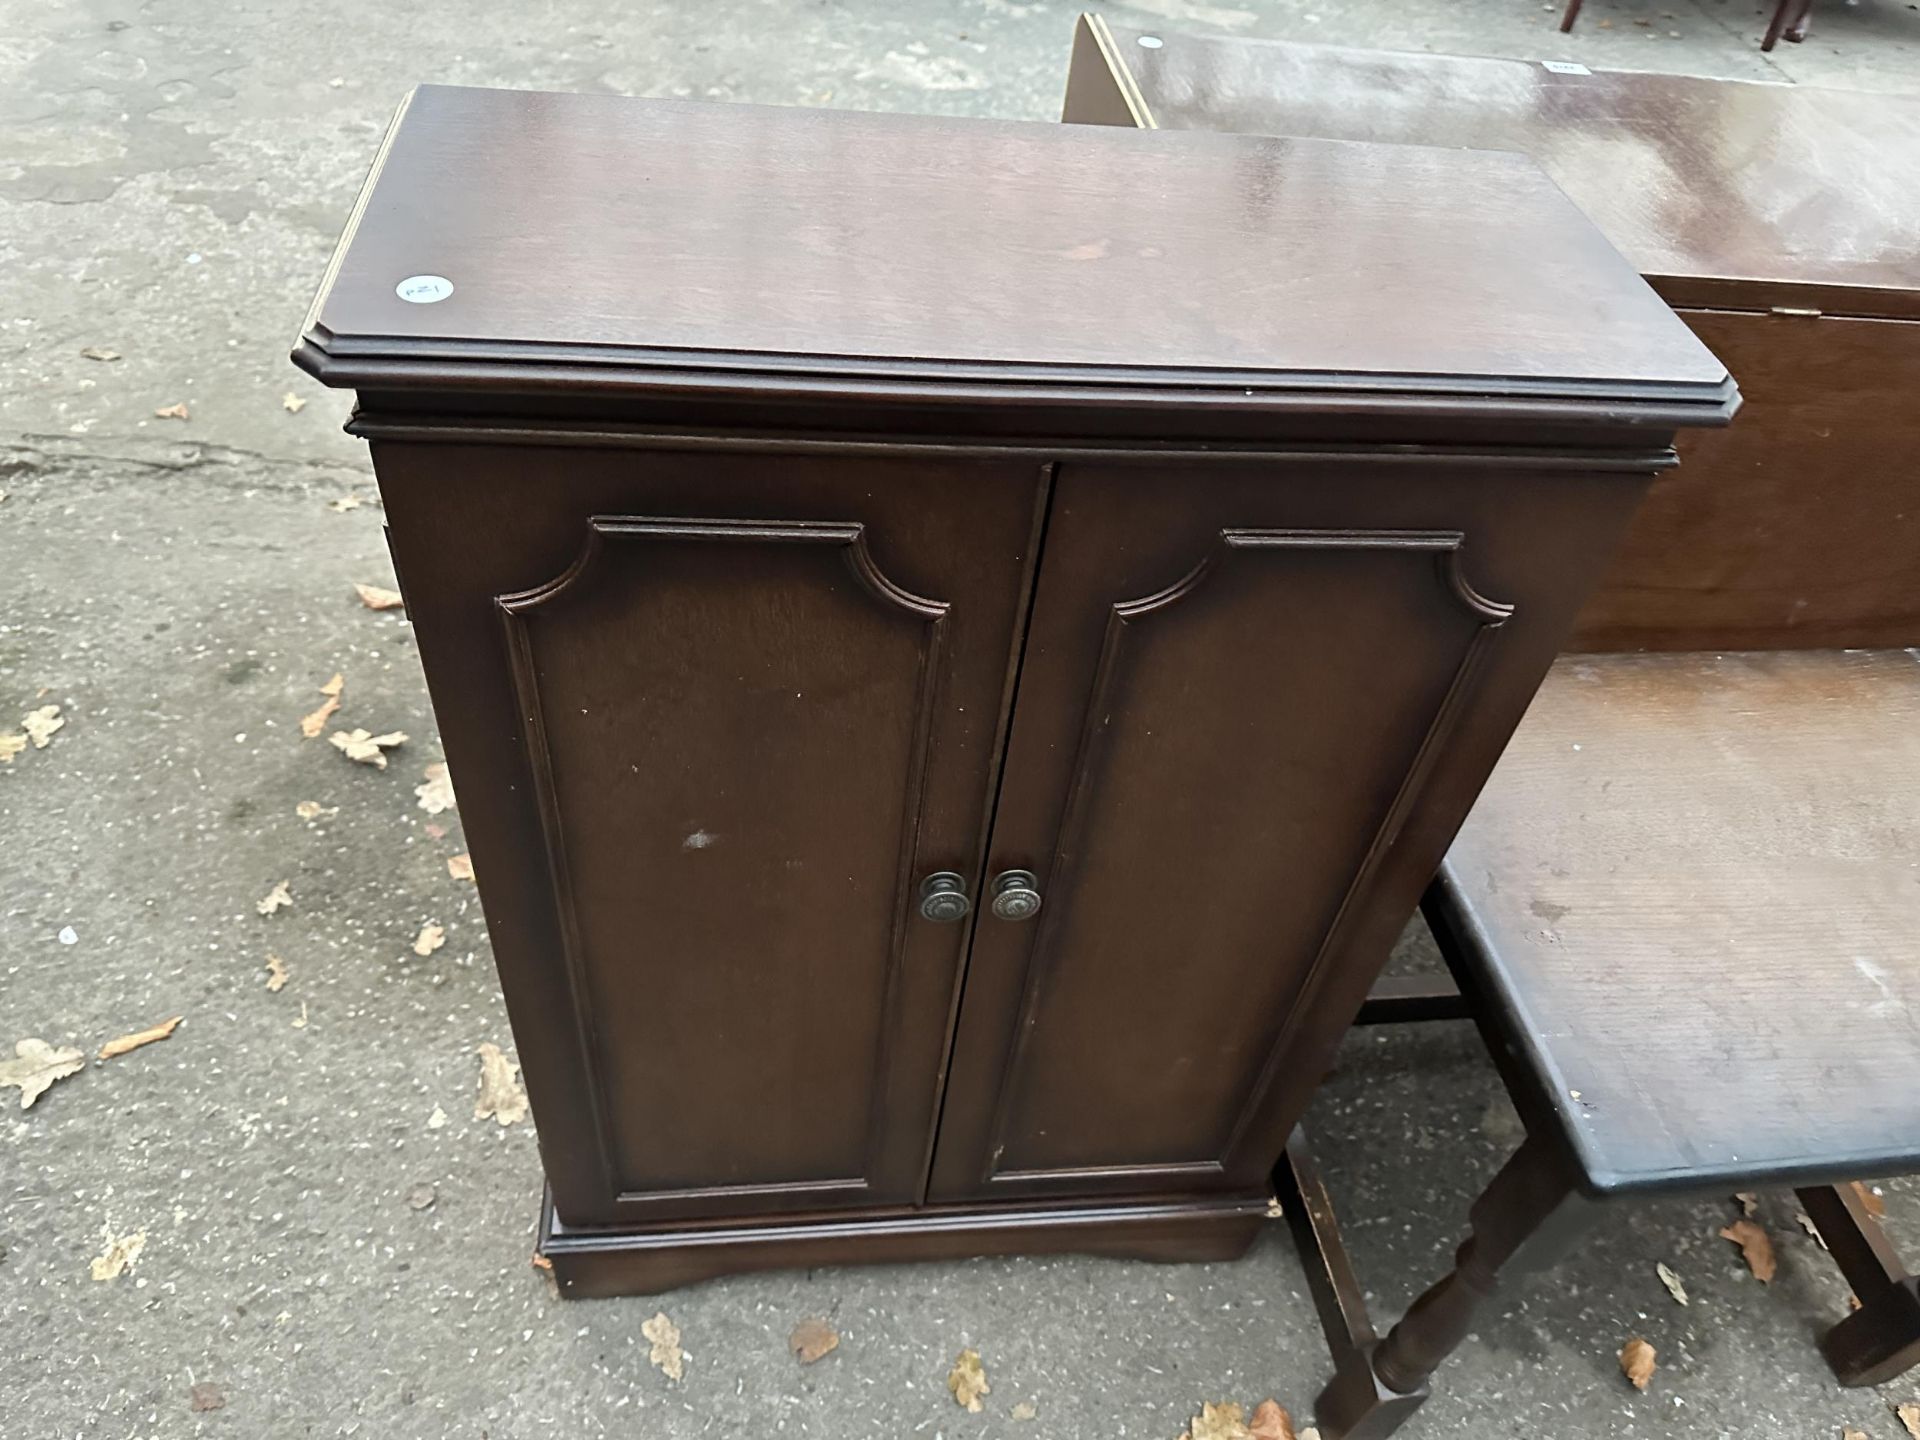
[1239, 692]
[742, 739]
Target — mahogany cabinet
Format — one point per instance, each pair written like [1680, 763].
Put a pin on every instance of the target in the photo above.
[959, 644]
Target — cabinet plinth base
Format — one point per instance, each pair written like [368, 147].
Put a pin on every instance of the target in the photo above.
[602, 1261]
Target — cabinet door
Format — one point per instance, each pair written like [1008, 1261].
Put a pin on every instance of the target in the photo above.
[711, 719]
[1255, 704]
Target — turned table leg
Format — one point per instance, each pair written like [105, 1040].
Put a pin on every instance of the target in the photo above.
[1881, 1339]
[1526, 1219]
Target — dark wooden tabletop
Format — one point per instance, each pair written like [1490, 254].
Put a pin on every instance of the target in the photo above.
[615, 231]
[1697, 882]
[1710, 187]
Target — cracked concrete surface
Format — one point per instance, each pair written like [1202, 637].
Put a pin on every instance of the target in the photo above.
[171, 183]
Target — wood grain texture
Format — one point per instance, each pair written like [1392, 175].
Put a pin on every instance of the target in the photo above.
[623, 237]
[1691, 893]
[1717, 190]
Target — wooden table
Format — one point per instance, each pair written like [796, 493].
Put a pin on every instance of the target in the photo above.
[869, 570]
[1782, 222]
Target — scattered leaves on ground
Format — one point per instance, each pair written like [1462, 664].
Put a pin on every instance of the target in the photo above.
[366, 747]
[1671, 1281]
[377, 597]
[1873, 1204]
[1271, 1422]
[345, 503]
[437, 1119]
[1755, 1245]
[36, 1065]
[277, 898]
[204, 1397]
[120, 1254]
[437, 794]
[12, 742]
[312, 725]
[430, 939]
[172, 412]
[41, 724]
[666, 1352]
[460, 867]
[1805, 1222]
[1747, 1201]
[1909, 1416]
[1637, 1362]
[1024, 1410]
[811, 1339]
[1225, 1421]
[121, 1044]
[422, 1196]
[500, 1093]
[292, 403]
[967, 1381]
[276, 972]
[98, 352]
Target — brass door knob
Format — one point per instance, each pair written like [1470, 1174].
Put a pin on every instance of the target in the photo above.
[1016, 895]
[943, 896]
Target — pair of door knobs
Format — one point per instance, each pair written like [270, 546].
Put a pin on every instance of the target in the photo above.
[1012, 895]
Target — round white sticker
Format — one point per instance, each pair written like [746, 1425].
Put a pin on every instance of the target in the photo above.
[424, 289]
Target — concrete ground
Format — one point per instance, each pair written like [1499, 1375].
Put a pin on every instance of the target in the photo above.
[171, 182]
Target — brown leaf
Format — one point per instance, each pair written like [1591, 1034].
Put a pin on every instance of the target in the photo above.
[12, 742]
[204, 1397]
[1747, 1201]
[1270, 1422]
[36, 1066]
[967, 1381]
[335, 685]
[430, 939]
[40, 725]
[1852, 1434]
[122, 1044]
[500, 1094]
[1636, 1362]
[120, 1255]
[437, 794]
[1870, 1202]
[98, 352]
[1220, 1422]
[1671, 1281]
[275, 899]
[312, 725]
[666, 1352]
[1755, 1244]
[375, 597]
[367, 748]
[276, 972]
[460, 867]
[811, 1339]
[292, 403]
[1805, 1222]
[172, 412]
[1909, 1416]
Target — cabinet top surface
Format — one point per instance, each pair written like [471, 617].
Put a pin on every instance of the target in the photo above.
[1696, 180]
[622, 238]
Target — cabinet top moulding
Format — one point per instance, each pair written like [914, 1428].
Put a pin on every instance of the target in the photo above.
[909, 273]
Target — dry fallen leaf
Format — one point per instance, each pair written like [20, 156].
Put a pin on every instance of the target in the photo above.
[1671, 1281]
[12, 742]
[276, 972]
[312, 725]
[968, 1381]
[344, 503]
[1870, 1202]
[1220, 1422]
[292, 402]
[120, 1254]
[811, 1339]
[666, 1352]
[40, 725]
[172, 412]
[275, 899]
[1636, 1362]
[1909, 1416]
[1271, 1422]
[1747, 1201]
[1755, 1246]
[374, 597]
[500, 1094]
[1851, 1434]
[430, 939]
[122, 1044]
[314, 810]
[98, 352]
[204, 1397]
[437, 794]
[1024, 1410]
[367, 748]
[460, 867]
[36, 1066]
[1805, 1222]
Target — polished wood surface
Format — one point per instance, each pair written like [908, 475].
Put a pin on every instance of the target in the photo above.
[623, 237]
[1721, 192]
[1746, 829]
